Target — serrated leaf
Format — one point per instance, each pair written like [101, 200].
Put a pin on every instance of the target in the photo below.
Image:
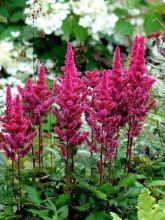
[62, 200]
[107, 188]
[33, 195]
[43, 214]
[63, 212]
[147, 208]
[128, 180]
[100, 194]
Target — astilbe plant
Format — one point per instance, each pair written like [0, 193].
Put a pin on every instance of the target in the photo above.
[17, 133]
[91, 80]
[137, 88]
[37, 101]
[68, 97]
[103, 123]
[110, 100]
[103, 111]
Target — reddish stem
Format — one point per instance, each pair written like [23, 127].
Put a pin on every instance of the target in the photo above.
[19, 176]
[33, 157]
[72, 158]
[42, 159]
[12, 170]
[129, 155]
[101, 164]
[109, 169]
[39, 147]
[127, 150]
[67, 169]
[91, 157]
[50, 128]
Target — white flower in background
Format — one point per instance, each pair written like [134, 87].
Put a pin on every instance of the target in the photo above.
[11, 61]
[136, 20]
[51, 17]
[96, 16]
[18, 68]
[15, 33]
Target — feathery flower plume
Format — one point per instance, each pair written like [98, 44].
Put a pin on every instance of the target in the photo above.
[138, 85]
[68, 97]
[37, 101]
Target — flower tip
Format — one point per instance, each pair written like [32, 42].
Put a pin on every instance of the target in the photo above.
[69, 45]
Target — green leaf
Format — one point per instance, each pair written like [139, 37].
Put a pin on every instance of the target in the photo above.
[132, 4]
[4, 12]
[84, 207]
[8, 30]
[50, 205]
[67, 26]
[33, 195]
[99, 216]
[91, 217]
[115, 216]
[63, 212]
[43, 214]
[121, 12]
[100, 194]
[128, 180]
[80, 32]
[149, 24]
[157, 183]
[62, 200]
[148, 209]
[124, 27]
[17, 16]
[27, 32]
[16, 4]
[108, 188]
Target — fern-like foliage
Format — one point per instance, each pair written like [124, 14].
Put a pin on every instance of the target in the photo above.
[148, 209]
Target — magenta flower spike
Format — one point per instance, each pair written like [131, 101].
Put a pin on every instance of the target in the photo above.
[138, 86]
[9, 103]
[37, 98]
[18, 137]
[68, 97]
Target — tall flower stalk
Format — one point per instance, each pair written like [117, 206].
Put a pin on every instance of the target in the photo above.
[138, 85]
[17, 133]
[68, 97]
[37, 101]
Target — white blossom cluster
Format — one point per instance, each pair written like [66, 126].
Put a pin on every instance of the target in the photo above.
[15, 67]
[16, 62]
[95, 15]
[51, 16]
